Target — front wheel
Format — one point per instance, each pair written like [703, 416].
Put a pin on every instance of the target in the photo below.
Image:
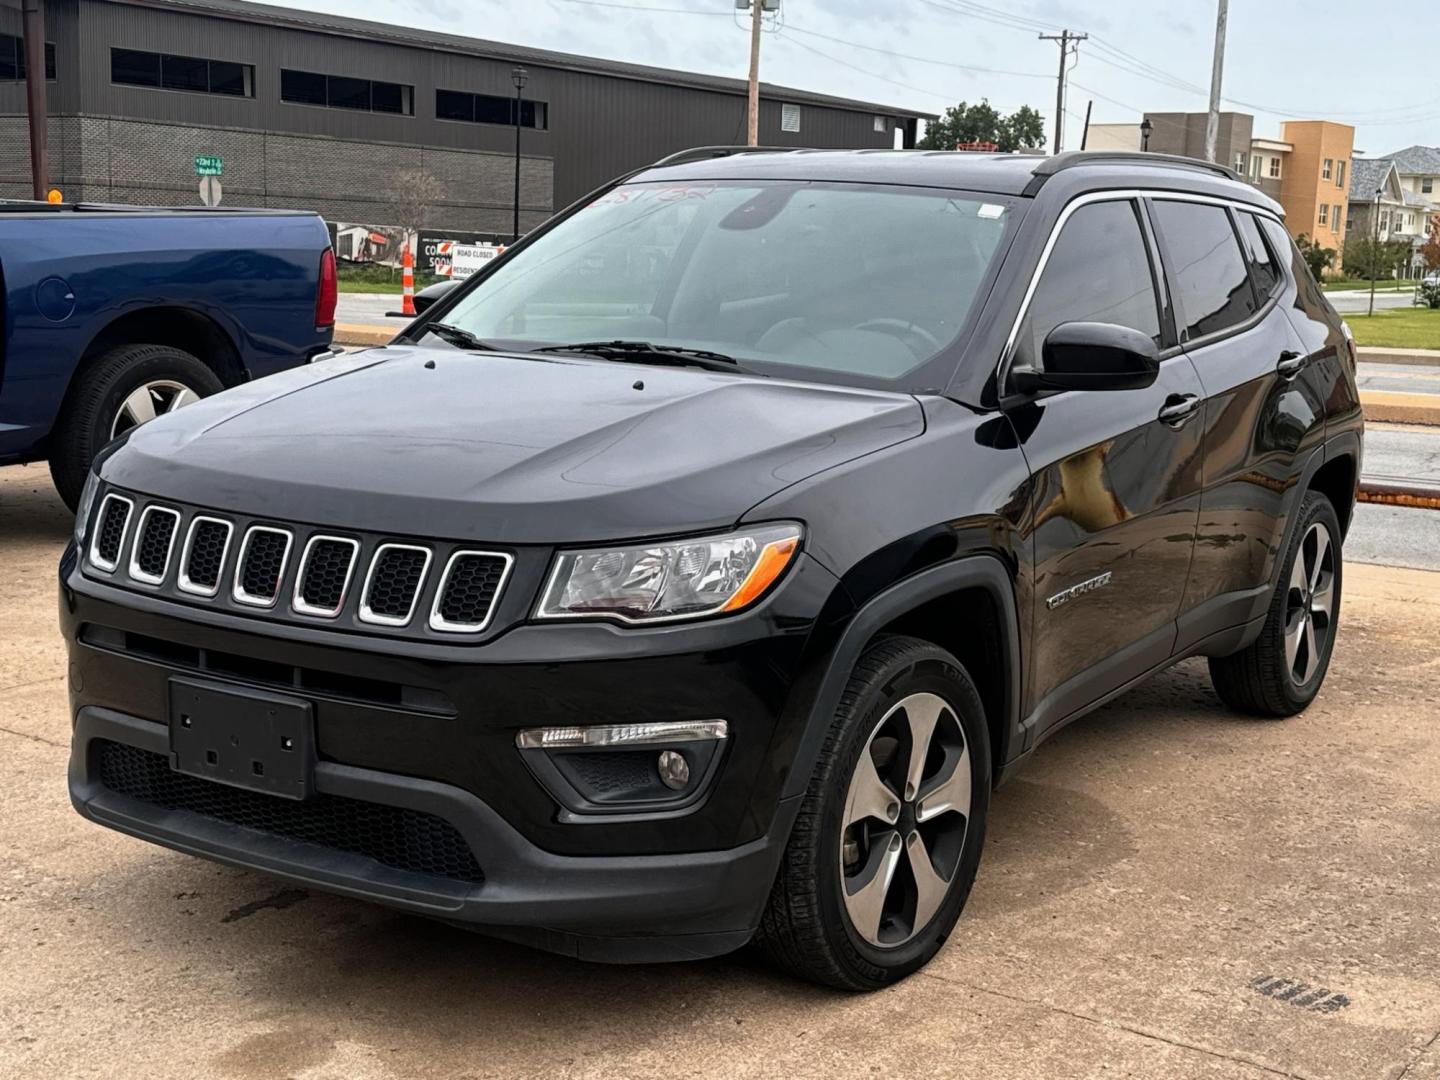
[888, 837]
[1281, 671]
[123, 389]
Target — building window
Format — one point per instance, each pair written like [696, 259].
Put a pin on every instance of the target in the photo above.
[12, 59]
[1326, 169]
[790, 118]
[1274, 168]
[1340, 173]
[1240, 163]
[161, 71]
[880, 126]
[1427, 184]
[1255, 160]
[1350, 223]
[344, 92]
[1335, 221]
[1324, 213]
[489, 109]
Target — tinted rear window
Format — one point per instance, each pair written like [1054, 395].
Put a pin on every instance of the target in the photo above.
[1262, 263]
[1207, 271]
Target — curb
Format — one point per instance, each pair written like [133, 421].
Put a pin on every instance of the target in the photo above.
[1374, 354]
[361, 335]
[1389, 407]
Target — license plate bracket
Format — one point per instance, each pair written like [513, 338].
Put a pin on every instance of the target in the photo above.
[245, 738]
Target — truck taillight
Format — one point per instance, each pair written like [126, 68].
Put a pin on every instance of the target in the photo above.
[327, 294]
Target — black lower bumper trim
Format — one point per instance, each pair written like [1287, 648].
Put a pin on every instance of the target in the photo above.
[611, 908]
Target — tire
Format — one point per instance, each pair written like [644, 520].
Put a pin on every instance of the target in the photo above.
[93, 409]
[1267, 678]
[809, 927]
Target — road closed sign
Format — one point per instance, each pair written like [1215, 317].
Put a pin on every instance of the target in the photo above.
[459, 261]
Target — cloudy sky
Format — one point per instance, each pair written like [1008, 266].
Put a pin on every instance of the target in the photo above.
[1286, 59]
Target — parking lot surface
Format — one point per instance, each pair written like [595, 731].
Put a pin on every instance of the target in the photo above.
[1168, 891]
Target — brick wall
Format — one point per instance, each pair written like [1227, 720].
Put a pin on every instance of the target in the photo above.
[151, 164]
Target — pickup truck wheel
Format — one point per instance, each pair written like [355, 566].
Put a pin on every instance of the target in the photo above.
[1281, 671]
[888, 837]
[123, 389]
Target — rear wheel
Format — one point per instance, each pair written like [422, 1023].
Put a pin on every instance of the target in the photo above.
[125, 388]
[888, 837]
[1281, 672]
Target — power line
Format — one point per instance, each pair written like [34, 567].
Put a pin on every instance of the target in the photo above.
[917, 59]
[646, 8]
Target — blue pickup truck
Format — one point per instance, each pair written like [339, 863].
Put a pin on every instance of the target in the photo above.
[111, 315]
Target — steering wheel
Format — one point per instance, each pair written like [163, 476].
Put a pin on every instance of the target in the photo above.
[906, 331]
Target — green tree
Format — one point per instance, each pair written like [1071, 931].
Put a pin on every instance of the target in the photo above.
[1366, 257]
[1430, 250]
[1316, 256]
[982, 122]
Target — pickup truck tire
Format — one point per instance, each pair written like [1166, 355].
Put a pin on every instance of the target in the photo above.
[1281, 672]
[100, 394]
[909, 710]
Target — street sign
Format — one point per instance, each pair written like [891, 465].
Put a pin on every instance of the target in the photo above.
[209, 165]
[210, 190]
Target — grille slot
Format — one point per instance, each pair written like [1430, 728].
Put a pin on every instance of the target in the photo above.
[261, 565]
[394, 836]
[468, 588]
[202, 559]
[110, 533]
[154, 541]
[392, 586]
[324, 575]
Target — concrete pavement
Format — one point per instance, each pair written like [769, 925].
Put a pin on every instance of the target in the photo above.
[1168, 891]
[1357, 301]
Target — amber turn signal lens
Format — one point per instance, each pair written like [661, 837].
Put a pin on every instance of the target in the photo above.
[768, 568]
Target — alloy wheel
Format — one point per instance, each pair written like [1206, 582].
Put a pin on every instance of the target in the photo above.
[150, 400]
[1310, 604]
[906, 815]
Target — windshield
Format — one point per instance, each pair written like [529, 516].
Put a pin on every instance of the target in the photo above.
[860, 282]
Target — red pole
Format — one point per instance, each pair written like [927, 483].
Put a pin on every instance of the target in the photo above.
[407, 280]
[35, 97]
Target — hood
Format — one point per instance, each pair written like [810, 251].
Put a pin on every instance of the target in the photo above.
[506, 449]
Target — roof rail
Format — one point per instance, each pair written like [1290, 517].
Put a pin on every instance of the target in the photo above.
[705, 153]
[1072, 158]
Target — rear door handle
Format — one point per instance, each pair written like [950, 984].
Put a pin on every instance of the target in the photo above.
[1291, 363]
[1178, 409]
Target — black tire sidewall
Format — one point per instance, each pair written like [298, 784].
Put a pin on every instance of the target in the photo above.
[925, 670]
[1316, 507]
[158, 363]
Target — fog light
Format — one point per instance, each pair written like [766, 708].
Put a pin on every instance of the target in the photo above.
[557, 738]
[674, 770]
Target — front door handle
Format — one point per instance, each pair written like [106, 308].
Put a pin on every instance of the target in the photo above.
[1291, 363]
[1178, 409]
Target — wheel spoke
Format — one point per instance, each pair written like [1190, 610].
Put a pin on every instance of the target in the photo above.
[930, 887]
[1322, 548]
[1298, 578]
[865, 892]
[870, 797]
[923, 712]
[1322, 601]
[1294, 633]
[1307, 657]
[184, 396]
[139, 407]
[948, 791]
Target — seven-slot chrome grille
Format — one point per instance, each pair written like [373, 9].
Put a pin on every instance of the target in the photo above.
[295, 572]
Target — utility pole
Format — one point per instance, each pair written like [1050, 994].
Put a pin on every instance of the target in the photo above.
[1068, 43]
[753, 132]
[34, 21]
[1212, 122]
[519, 77]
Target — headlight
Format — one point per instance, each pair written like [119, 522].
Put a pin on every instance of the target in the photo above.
[86, 504]
[685, 579]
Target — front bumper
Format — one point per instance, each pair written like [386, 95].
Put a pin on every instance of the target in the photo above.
[619, 909]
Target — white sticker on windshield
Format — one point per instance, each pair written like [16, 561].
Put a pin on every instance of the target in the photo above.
[990, 210]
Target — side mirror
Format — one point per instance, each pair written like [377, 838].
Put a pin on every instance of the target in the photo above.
[432, 293]
[1092, 356]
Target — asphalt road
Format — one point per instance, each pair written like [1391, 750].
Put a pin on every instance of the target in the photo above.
[1168, 891]
[1357, 301]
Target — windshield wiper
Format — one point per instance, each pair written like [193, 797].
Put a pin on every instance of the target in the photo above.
[457, 336]
[646, 352]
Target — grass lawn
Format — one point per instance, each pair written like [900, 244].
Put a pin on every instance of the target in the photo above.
[378, 279]
[1346, 284]
[1417, 328]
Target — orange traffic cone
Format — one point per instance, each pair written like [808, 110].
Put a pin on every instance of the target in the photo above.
[407, 281]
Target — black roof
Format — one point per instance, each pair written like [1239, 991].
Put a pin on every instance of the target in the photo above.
[1000, 174]
[387, 33]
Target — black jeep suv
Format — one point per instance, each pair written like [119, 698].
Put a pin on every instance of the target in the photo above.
[694, 573]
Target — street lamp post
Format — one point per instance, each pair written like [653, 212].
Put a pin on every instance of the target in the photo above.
[518, 77]
[1374, 244]
[1145, 128]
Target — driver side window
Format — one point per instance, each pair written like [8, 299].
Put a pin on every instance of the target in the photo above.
[1098, 271]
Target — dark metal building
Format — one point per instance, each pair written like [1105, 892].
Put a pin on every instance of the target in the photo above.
[360, 120]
